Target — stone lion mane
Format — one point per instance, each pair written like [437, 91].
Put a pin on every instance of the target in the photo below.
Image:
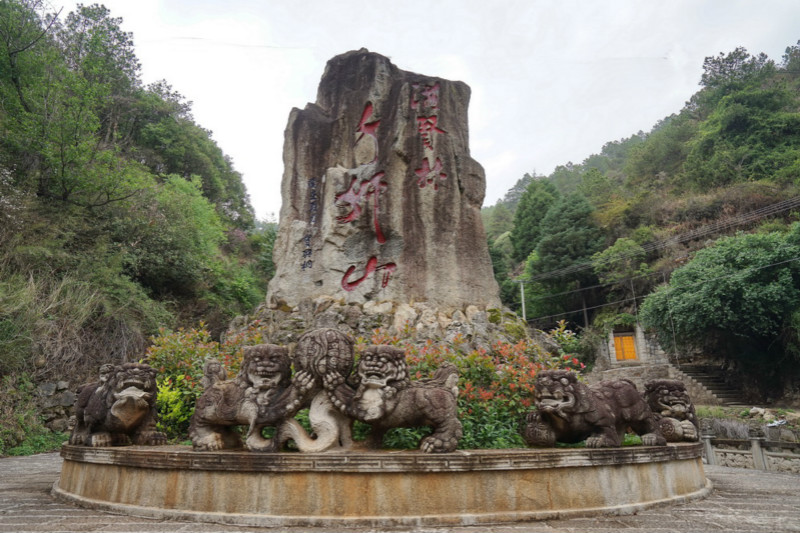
[261, 395]
[320, 352]
[384, 397]
[569, 411]
[672, 408]
[119, 408]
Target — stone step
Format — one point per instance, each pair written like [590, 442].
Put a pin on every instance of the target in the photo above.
[712, 381]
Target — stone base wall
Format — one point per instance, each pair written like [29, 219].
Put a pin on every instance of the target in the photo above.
[783, 462]
[477, 327]
[56, 404]
[379, 489]
[635, 372]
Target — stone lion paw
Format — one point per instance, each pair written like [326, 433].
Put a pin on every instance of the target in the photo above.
[303, 380]
[597, 441]
[533, 417]
[652, 439]
[431, 444]
[101, 439]
[78, 439]
[151, 438]
[331, 380]
[689, 430]
[209, 443]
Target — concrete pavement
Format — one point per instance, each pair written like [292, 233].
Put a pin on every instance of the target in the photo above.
[742, 501]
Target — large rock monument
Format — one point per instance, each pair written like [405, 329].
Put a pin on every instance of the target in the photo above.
[381, 199]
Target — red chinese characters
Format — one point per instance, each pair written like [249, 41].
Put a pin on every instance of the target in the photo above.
[427, 175]
[359, 191]
[367, 127]
[372, 266]
[426, 126]
[425, 96]
[425, 102]
[355, 196]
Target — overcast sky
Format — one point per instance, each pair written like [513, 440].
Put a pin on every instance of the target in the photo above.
[552, 81]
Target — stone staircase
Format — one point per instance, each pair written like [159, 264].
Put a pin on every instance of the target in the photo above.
[713, 380]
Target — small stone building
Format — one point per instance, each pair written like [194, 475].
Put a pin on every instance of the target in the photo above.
[632, 353]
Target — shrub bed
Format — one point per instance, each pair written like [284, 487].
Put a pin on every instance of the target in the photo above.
[495, 387]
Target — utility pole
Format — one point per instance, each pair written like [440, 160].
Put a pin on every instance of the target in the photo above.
[522, 296]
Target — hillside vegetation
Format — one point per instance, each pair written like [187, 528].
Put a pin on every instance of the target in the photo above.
[687, 229]
[118, 213]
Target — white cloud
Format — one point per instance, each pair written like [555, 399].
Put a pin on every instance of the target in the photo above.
[552, 80]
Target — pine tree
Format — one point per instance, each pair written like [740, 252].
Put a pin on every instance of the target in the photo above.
[533, 206]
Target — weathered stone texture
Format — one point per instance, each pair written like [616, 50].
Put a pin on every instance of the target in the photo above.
[381, 199]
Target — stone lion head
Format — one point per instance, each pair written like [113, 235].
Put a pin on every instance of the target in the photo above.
[558, 392]
[668, 398]
[383, 366]
[128, 378]
[265, 366]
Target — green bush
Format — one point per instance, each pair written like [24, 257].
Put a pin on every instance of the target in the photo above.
[71, 323]
[495, 387]
[175, 405]
[178, 357]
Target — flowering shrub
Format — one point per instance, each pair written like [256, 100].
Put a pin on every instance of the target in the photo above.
[495, 386]
[178, 357]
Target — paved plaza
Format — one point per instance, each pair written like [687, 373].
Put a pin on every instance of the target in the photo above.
[742, 501]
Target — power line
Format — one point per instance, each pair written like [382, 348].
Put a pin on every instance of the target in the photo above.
[598, 286]
[715, 227]
[669, 289]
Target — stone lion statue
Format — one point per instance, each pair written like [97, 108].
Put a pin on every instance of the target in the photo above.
[262, 394]
[672, 408]
[384, 397]
[119, 408]
[213, 372]
[320, 352]
[569, 411]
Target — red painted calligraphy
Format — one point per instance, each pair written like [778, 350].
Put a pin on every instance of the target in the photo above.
[429, 94]
[354, 197]
[427, 175]
[427, 127]
[365, 127]
[372, 266]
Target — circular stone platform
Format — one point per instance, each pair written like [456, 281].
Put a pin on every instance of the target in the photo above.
[386, 488]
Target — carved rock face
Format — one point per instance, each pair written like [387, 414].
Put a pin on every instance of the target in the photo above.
[381, 200]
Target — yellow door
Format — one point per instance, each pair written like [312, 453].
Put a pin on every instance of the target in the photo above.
[625, 347]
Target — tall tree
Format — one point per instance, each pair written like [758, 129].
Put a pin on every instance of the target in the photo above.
[568, 236]
[95, 46]
[533, 206]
